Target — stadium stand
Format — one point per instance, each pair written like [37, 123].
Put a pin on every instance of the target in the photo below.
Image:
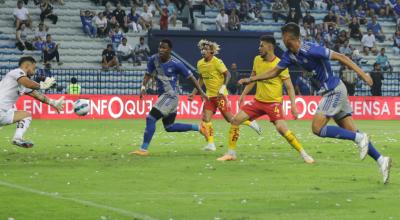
[77, 50]
[81, 55]
[391, 82]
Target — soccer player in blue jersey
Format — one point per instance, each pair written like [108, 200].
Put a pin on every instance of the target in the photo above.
[334, 103]
[166, 70]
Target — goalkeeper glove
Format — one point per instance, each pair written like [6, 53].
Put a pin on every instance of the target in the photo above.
[48, 82]
[57, 104]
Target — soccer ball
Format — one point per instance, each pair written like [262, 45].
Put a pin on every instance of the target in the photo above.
[82, 107]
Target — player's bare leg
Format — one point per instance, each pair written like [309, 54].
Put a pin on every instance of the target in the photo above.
[207, 124]
[319, 121]
[23, 120]
[282, 128]
[228, 116]
[384, 163]
[237, 120]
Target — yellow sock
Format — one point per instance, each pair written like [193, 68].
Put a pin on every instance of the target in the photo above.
[247, 122]
[233, 137]
[210, 130]
[291, 138]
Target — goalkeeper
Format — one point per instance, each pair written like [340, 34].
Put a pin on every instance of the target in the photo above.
[18, 82]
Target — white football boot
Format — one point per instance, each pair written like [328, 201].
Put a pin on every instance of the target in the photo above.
[308, 159]
[22, 143]
[210, 147]
[254, 125]
[363, 145]
[385, 169]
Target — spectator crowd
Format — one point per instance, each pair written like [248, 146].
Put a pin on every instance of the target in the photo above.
[41, 40]
[342, 24]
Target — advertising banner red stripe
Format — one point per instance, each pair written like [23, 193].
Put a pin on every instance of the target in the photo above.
[131, 106]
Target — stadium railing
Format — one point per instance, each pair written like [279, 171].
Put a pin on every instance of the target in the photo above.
[92, 81]
[390, 83]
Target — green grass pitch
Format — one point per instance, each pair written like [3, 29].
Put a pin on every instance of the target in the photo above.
[81, 170]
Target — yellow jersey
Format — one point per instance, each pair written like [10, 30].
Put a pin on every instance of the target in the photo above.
[213, 76]
[269, 90]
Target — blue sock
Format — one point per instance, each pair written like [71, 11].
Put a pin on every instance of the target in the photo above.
[372, 152]
[337, 132]
[179, 127]
[195, 127]
[149, 131]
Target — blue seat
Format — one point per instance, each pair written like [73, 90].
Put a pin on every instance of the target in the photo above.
[7, 46]
[5, 37]
[8, 66]
[14, 52]
[2, 59]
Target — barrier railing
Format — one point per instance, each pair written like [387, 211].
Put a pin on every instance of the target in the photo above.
[390, 84]
[92, 81]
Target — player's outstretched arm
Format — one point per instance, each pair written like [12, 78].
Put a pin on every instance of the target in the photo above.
[57, 104]
[30, 84]
[146, 79]
[247, 89]
[197, 86]
[290, 89]
[348, 62]
[268, 75]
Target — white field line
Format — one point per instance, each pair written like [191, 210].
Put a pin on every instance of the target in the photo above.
[79, 201]
[199, 194]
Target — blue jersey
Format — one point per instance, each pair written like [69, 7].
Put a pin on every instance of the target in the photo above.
[133, 17]
[86, 20]
[303, 85]
[229, 6]
[315, 59]
[50, 46]
[361, 14]
[166, 74]
[396, 7]
[376, 28]
[342, 12]
[117, 37]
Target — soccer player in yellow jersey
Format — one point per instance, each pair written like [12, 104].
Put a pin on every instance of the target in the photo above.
[214, 75]
[267, 101]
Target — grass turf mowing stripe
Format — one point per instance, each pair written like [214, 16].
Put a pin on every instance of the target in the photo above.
[80, 201]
